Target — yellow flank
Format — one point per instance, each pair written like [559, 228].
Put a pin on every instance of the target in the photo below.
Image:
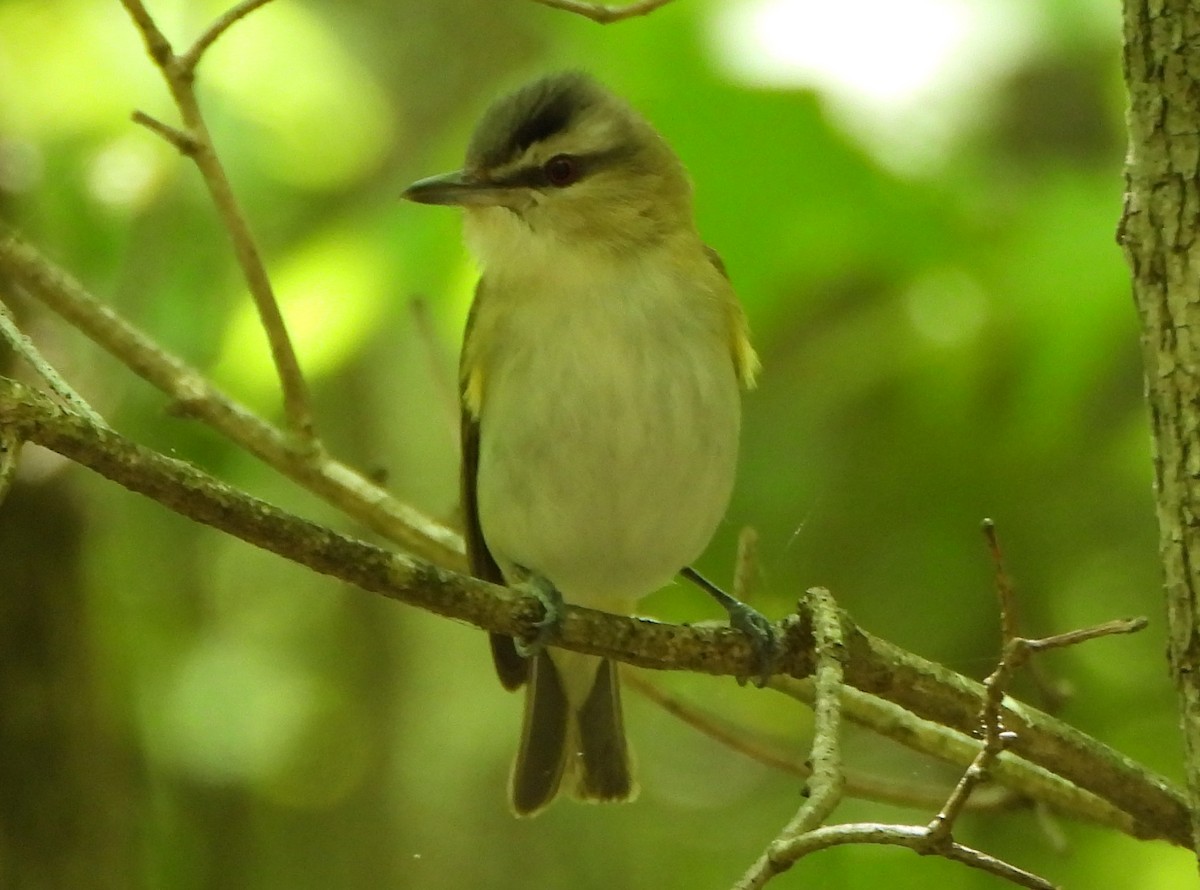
[745, 359]
[473, 391]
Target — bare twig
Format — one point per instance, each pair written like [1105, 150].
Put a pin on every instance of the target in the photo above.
[825, 787]
[995, 737]
[745, 567]
[190, 59]
[1021, 780]
[1015, 652]
[773, 753]
[605, 15]
[1009, 622]
[1082, 635]
[23, 346]
[195, 142]
[1054, 693]
[940, 828]
[913, 837]
[196, 397]
[184, 143]
[804, 834]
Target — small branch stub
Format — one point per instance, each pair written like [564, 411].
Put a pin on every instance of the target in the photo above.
[604, 14]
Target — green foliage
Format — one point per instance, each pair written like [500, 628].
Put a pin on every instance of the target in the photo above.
[940, 343]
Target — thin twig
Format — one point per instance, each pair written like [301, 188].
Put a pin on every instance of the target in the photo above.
[913, 837]
[190, 59]
[198, 398]
[1015, 652]
[184, 143]
[1084, 634]
[745, 567]
[1021, 779]
[1009, 622]
[1054, 693]
[773, 753]
[804, 834]
[195, 142]
[156, 42]
[940, 828]
[24, 347]
[825, 786]
[603, 14]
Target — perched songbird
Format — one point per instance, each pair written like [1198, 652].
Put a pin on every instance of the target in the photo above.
[600, 379]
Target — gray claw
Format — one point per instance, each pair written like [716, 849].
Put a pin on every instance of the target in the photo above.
[552, 608]
[763, 640]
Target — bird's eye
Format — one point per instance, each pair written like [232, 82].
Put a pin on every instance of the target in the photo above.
[562, 170]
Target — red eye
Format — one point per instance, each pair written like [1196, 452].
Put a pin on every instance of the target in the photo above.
[561, 171]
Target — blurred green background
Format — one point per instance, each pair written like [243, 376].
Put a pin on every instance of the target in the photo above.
[917, 202]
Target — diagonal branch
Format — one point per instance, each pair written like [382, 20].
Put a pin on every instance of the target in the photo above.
[777, 755]
[23, 346]
[195, 143]
[195, 396]
[1155, 808]
[181, 487]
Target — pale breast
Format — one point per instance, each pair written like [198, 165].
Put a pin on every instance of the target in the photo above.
[608, 440]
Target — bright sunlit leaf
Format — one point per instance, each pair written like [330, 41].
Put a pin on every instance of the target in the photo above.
[324, 120]
[331, 295]
[898, 75]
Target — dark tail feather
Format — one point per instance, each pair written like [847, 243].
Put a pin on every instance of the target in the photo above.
[603, 771]
[590, 744]
[511, 666]
[542, 755]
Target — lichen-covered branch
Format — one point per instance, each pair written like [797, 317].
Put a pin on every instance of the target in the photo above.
[929, 691]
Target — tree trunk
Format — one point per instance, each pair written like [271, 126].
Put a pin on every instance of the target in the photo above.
[1158, 233]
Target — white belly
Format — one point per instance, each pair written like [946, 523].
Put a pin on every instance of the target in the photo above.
[608, 444]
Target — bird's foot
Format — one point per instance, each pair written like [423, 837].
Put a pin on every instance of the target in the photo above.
[764, 639]
[552, 614]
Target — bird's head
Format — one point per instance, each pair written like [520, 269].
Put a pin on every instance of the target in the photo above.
[564, 163]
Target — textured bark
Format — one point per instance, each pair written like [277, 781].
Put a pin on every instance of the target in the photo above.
[1158, 233]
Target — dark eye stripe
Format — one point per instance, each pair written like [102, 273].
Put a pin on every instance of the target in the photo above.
[587, 164]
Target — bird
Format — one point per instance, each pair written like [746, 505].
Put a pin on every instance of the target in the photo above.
[600, 380]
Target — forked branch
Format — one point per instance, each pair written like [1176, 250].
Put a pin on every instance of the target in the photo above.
[194, 141]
